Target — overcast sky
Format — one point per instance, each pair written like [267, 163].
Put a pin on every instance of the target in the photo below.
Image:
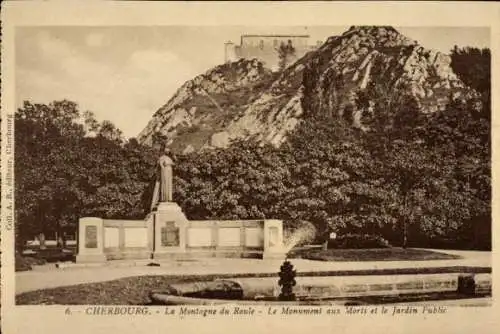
[124, 74]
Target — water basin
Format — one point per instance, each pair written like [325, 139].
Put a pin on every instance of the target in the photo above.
[329, 290]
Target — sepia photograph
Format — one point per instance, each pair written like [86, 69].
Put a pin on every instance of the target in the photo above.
[301, 169]
[301, 165]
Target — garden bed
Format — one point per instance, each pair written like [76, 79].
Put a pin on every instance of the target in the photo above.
[376, 254]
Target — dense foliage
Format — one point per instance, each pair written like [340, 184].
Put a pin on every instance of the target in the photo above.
[426, 185]
[67, 165]
[409, 177]
[473, 66]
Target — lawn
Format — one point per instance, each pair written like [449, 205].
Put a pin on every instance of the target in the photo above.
[375, 254]
[135, 290]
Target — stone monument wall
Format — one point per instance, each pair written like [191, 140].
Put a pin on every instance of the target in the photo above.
[232, 238]
[103, 239]
[126, 239]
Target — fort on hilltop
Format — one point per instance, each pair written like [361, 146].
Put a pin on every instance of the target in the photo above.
[265, 48]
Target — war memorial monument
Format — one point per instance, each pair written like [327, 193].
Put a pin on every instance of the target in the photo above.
[167, 233]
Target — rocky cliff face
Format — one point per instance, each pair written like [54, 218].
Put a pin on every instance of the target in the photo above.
[205, 105]
[243, 99]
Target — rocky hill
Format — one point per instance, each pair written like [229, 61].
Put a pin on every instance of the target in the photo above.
[243, 99]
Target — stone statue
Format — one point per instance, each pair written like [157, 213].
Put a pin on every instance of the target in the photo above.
[166, 177]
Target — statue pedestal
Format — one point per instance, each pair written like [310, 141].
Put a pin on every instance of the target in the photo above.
[170, 225]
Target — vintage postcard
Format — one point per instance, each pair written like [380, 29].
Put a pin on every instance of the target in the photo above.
[249, 167]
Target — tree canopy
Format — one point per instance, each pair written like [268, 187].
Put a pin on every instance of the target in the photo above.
[68, 165]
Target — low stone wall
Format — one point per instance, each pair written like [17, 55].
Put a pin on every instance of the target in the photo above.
[102, 239]
[232, 238]
[126, 239]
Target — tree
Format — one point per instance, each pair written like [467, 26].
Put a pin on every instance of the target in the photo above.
[67, 168]
[409, 169]
[473, 67]
[286, 54]
[45, 135]
[465, 148]
[109, 131]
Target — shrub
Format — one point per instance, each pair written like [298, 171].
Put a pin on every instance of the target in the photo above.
[22, 264]
[358, 241]
[25, 263]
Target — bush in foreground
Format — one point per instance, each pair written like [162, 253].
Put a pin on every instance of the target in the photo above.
[358, 241]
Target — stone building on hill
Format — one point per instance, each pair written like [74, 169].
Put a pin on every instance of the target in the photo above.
[265, 48]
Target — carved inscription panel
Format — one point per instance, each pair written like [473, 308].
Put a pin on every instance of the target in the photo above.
[90, 236]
